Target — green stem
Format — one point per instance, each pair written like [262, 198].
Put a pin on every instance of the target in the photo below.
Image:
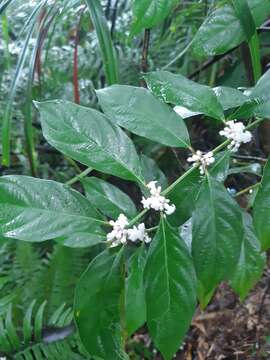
[247, 189]
[152, 229]
[189, 171]
[138, 217]
[177, 181]
[79, 176]
[6, 40]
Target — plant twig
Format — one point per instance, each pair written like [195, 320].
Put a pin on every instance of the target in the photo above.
[144, 64]
[247, 189]
[189, 171]
[249, 158]
[79, 176]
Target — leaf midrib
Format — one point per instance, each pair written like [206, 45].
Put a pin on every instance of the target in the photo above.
[104, 149]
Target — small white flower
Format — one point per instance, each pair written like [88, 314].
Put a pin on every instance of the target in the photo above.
[237, 133]
[157, 201]
[119, 234]
[138, 233]
[201, 159]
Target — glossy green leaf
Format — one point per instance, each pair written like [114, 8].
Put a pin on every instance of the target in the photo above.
[106, 197]
[261, 89]
[222, 30]
[183, 196]
[170, 285]
[178, 90]
[217, 235]
[251, 262]
[149, 13]
[261, 209]
[87, 136]
[152, 171]
[258, 103]
[97, 306]
[37, 210]
[81, 239]
[140, 112]
[135, 297]
[229, 97]
[219, 170]
[248, 109]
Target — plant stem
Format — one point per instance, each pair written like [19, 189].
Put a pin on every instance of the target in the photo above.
[138, 217]
[79, 176]
[189, 171]
[249, 158]
[247, 189]
[177, 181]
[144, 65]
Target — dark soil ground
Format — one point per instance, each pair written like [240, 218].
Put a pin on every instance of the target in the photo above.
[227, 329]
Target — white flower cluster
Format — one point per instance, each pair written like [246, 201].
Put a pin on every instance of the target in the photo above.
[202, 159]
[120, 234]
[156, 201]
[237, 133]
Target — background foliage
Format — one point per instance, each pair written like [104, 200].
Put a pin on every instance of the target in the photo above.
[68, 49]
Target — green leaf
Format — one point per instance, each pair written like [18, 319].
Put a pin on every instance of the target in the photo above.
[254, 168]
[183, 195]
[178, 90]
[149, 13]
[251, 262]
[261, 209]
[220, 169]
[229, 97]
[6, 120]
[248, 109]
[258, 102]
[106, 197]
[81, 239]
[97, 306]
[39, 321]
[217, 234]
[11, 330]
[104, 40]
[87, 136]
[170, 285]
[27, 323]
[140, 112]
[222, 30]
[37, 210]
[152, 171]
[245, 17]
[261, 89]
[135, 297]
[243, 13]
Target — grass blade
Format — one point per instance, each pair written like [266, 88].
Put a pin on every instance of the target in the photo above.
[6, 129]
[105, 41]
[244, 15]
[28, 128]
[6, 40]
[5, 5]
